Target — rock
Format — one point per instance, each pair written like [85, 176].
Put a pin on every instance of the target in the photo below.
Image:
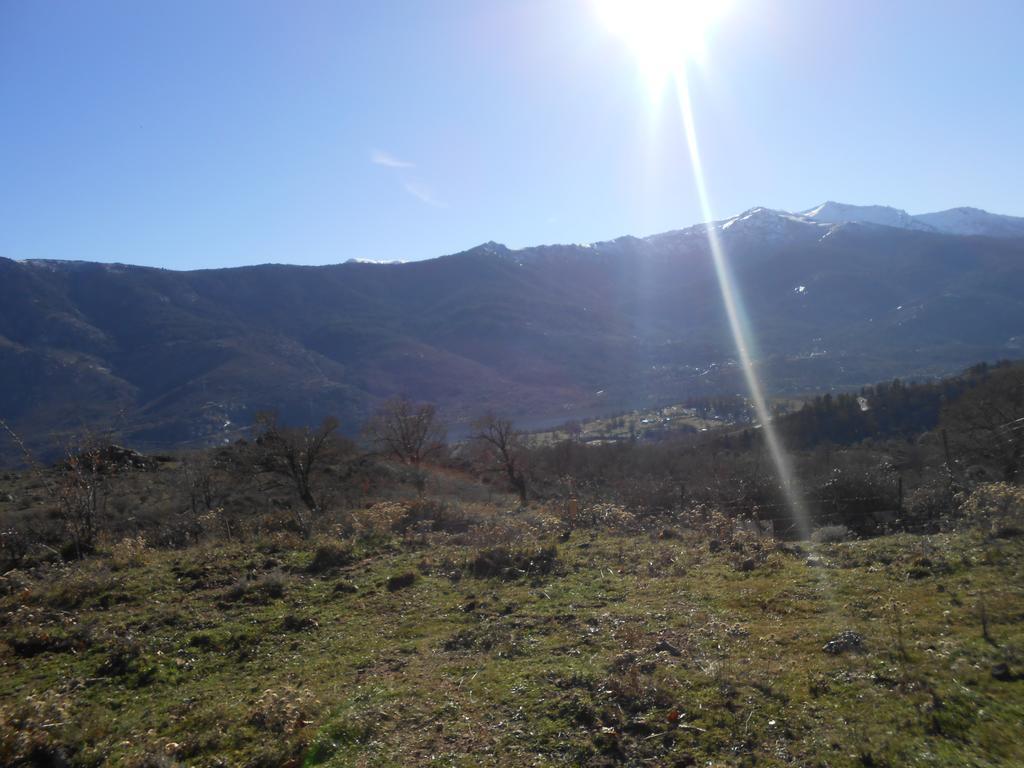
[665, 645]
[293, 623]
[401, 581]
[845, 641]
[345, 587]
[746, 565]
[624, 661]
[1003, 672]
[108, 459]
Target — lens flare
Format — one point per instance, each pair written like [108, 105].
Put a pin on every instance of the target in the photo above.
[733, 307]
[665, 36]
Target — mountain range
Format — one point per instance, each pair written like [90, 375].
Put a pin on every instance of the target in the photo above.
[955, 221]
[834, 297]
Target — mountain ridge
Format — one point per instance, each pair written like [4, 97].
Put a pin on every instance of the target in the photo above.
[179, 357]
[962, 220]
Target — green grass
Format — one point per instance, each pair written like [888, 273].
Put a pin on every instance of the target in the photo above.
[173, 658]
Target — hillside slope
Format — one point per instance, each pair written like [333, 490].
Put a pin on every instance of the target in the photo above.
[546, 333]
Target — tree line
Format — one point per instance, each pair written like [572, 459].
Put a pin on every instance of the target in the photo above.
[891, 446]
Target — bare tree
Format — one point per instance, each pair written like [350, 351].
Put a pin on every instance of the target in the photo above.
[406, 431]
[293, 456]
[79, 488]
[199, 481]
[503, 450]
[81, 493]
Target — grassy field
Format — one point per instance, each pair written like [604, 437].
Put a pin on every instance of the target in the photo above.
[609, 647]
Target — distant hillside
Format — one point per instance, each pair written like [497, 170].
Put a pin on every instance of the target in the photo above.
[543, 333]
[897, 409]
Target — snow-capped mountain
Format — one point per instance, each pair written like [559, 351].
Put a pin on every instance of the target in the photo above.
[764, 220]
[840, 213]
[955, 221]
[769, 225]
[973, 221]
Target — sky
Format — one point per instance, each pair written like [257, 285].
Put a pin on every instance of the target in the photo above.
[191, 134]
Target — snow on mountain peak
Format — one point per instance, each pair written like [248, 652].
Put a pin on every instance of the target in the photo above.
[760, 219]
[974, 221]
[823, 220]
[831, 212]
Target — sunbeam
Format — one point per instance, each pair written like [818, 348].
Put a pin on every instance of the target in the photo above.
[733, 303]
[665, 36]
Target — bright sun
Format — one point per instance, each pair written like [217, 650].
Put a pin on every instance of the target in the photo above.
[663, 35]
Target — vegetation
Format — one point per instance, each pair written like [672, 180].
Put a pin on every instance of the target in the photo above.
[293, 600]
[501, 646]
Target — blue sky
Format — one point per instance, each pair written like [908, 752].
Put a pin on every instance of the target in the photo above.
[204, 134]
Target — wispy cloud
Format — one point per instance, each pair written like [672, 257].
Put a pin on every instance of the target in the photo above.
[423, 193]
[380, 157]
[401, 168]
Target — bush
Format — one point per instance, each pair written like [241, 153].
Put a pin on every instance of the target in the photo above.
[129, 551]
[401, 581]
[996, 507]
[852, 498]
[37, 640]
[330, 555]
[436, 516]
[269, 586]
[283, 711]
[501, 562]
[606, 515]
[928, 504]
[378, 519]
[14, 548]
[78, 586]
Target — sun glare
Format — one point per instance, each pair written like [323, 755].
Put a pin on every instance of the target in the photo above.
[663, 35]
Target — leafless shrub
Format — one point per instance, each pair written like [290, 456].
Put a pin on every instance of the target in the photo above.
[201, 484]
[929, 503]
[79, 490]
[128, 552]
[284, 710]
